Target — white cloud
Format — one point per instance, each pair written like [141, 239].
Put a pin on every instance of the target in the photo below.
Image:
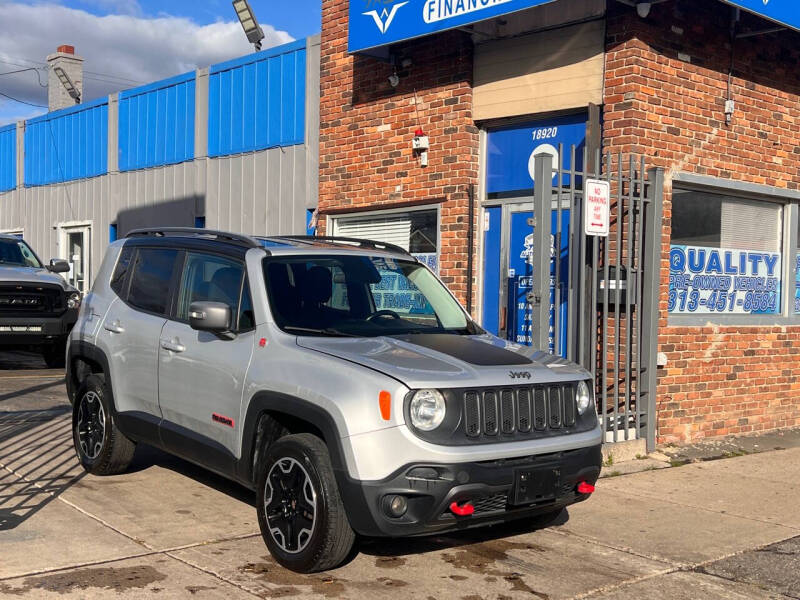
[124, 7]
[121, 45]
[11, 112]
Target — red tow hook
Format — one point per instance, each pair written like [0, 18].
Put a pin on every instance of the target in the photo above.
[585, 488]
[462, 511]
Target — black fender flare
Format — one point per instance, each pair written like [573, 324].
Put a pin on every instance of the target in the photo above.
[80, 349]
[295, 408]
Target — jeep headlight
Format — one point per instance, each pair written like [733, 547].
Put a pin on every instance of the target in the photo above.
[74, 300]
[583, 397]
[427, 409]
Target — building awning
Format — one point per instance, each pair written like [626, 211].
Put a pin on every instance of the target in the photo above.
[783, 12]
[375, 23]
[379, 23]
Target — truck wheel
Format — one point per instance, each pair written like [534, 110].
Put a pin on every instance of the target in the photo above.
[102, 448]
[300, 512]
[54, 354]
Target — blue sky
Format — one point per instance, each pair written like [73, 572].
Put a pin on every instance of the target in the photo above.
[300, 18]
[125, 43]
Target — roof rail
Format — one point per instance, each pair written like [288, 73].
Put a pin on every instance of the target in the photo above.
[234, 238]
[361, 243]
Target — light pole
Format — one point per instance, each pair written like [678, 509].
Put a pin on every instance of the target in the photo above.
[68, 85]
[248, 20]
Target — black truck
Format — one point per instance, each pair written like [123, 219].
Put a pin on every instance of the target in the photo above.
[37, 307]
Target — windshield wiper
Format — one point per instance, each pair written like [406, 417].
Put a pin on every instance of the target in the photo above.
[329, 331]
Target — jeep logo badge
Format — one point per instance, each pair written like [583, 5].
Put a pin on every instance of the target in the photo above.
[519, 374]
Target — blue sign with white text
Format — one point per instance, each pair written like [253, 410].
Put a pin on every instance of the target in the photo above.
[520, 280]
[511, 150]
[797, 288]
[785, 12]
[375, 23]
[706, 280]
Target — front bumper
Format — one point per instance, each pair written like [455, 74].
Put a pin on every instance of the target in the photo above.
[489, 486]
[35, 329]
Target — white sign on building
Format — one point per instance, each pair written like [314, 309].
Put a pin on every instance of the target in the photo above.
[597, 195]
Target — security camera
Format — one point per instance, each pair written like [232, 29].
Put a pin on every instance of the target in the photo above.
[643, 9]
[394, 79]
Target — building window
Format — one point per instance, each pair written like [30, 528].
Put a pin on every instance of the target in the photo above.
[797, 272]
[725, 256]
[416, 231]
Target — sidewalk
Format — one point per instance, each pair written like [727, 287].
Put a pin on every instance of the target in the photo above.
[166, 529]
[674, 455]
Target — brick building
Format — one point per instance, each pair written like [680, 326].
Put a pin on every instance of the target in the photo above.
[704, 90]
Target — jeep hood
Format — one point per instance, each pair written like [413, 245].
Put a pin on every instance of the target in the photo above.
[448, 360]
[14, 274]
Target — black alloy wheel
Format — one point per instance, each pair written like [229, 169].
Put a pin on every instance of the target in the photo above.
[91, 425]
[101, 447]
[290, 505]
[300, 512]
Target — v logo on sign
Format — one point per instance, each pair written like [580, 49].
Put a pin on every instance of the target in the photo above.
[384, 18]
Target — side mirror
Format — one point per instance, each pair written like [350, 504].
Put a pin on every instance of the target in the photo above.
[58, 265]
[210, 316]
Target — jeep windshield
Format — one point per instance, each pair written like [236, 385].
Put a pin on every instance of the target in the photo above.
[17, 253]
[364, 296]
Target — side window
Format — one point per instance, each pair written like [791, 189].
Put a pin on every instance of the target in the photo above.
[151, 277]
[209, 278]
[121, 271]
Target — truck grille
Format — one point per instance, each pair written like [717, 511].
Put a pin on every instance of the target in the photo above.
[507, 411]
[20, 300]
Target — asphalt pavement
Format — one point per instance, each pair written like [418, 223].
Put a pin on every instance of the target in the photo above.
[167, 529]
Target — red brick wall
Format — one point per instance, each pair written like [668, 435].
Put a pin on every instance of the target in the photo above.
[366, 126]
[718, 380]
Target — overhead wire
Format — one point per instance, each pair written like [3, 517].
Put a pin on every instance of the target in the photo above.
[22, 101]
[34, 69]
[44, 65]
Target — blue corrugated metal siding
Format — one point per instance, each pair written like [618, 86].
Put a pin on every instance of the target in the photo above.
[156, 123]
[67, 144]
[8, 158]
[258, 101]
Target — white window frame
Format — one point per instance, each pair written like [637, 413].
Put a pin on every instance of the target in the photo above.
[63, 229]
[330, 221]
[790, 201]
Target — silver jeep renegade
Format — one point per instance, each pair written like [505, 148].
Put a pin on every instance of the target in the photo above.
[338, 378]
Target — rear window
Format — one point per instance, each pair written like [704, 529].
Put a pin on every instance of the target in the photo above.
[121, 272]
[151, 278]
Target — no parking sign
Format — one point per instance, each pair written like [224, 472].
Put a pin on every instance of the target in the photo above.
[597, 196]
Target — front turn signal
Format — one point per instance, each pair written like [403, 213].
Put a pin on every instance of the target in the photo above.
[385, 404]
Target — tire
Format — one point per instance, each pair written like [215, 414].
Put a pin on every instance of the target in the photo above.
[101, 447]
[54, 354]
[302, 463]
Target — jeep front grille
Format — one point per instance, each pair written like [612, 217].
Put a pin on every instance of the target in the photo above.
[506, 411]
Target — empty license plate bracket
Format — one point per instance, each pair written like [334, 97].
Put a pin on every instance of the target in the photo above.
[536, 485]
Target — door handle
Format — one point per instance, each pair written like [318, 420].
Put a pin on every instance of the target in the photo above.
[173, 345]
[114, 327]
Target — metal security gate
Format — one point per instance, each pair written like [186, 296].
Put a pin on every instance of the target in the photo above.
[612, 284]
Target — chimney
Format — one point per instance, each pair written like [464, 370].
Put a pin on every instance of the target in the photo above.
[64, 79]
